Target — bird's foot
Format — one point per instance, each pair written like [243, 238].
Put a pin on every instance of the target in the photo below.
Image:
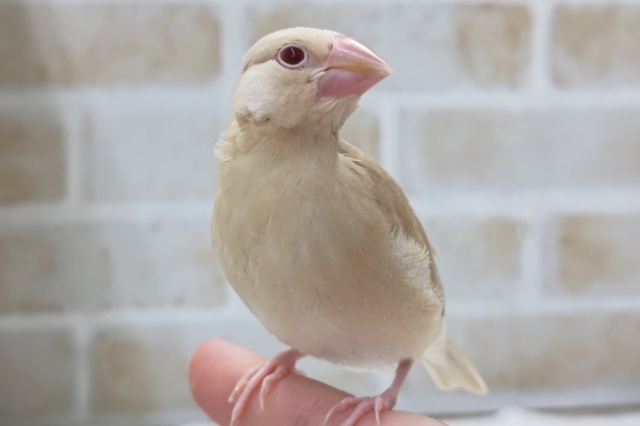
[263, 376]
[362, 406]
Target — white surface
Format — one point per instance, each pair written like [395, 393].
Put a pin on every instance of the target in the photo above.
[520, 417]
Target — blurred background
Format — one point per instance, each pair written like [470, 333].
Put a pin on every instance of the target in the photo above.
[514, 126]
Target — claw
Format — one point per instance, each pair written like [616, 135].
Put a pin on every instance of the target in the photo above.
[268, 381]
[377, 408]
[364, 405]
[263, 376]
[338, 407]
[242, 383]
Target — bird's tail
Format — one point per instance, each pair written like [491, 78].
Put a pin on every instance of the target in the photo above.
[450, 369]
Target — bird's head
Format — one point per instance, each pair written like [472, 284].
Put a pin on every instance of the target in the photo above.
[304, 78]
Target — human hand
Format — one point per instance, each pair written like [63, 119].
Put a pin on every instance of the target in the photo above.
[217, 365]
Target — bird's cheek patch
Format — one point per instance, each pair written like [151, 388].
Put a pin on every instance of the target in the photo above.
[255, 95]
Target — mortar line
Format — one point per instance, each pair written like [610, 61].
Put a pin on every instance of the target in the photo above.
[82, 369]
[438, 202]
[533, 265]
[457, 309]
[234, 30]
[541, 40]
[388, 113]
[523, 98]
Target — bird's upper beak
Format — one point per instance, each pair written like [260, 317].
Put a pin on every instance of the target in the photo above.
[350, 69]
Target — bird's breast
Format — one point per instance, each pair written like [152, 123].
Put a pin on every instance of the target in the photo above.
[313, 261]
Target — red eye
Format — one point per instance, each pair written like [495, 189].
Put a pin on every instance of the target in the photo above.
[291, 56]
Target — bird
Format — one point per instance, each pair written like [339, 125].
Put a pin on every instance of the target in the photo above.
[316, 238]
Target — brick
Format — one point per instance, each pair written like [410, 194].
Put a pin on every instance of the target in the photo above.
[477, 259]
[529, 353]
[362, 130]
[32, 158]
[547, 356]
[504, 150]
[597, 256]
[442, 46]
[36, 372]
[96, 267]
[107, 44]
[143, 368]
[158, 154]
[135, 371]
[596, 46]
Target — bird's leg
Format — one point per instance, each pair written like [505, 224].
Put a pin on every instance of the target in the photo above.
[263, 376]
[363, 405]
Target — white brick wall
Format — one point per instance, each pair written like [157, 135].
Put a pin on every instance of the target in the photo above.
[512, 124]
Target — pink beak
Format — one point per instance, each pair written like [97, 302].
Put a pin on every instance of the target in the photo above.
[351, 69]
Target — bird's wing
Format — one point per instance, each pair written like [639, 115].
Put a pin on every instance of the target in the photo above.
[395, 206]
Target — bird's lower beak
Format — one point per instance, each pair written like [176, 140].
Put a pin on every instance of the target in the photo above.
[350, 69]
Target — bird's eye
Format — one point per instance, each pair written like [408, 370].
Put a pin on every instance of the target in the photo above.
[292, 56]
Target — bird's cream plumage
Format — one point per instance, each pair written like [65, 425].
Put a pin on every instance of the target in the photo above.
[316, 238]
